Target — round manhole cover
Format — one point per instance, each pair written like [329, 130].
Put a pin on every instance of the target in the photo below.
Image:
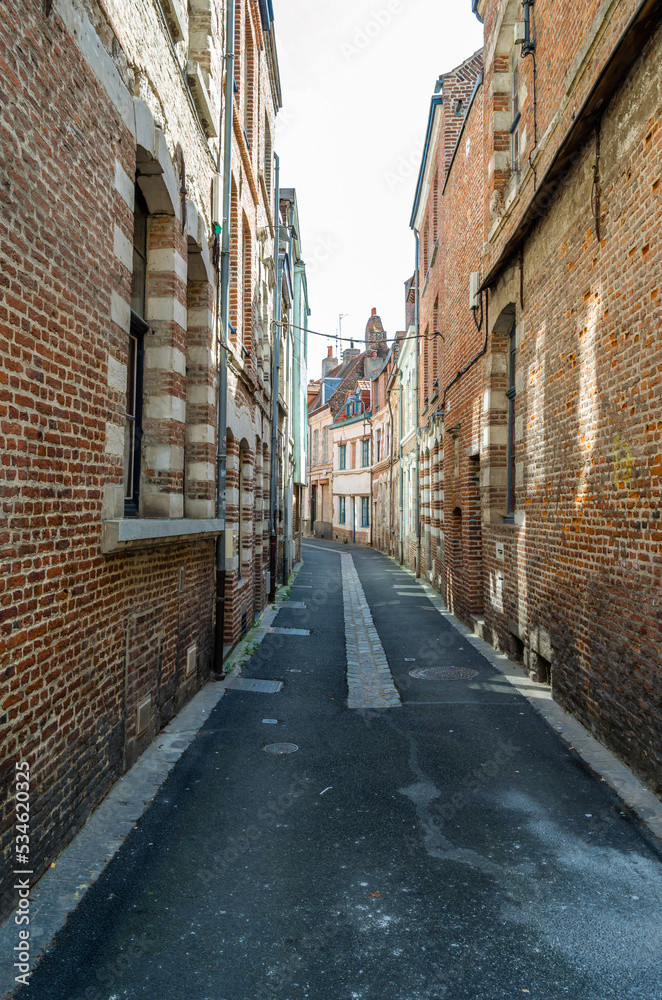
[443, 673]
[281, 748]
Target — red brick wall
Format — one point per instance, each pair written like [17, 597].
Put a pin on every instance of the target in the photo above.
[83, 636]
[454, 562]
[581, 568]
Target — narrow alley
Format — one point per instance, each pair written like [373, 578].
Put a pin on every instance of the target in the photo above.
[428, 835]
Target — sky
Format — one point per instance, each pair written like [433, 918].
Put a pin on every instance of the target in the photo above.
[357, 77]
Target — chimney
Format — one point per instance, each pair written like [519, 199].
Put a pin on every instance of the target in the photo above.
[372, 363]
[351, 352]
[373, 311]
[329, 363]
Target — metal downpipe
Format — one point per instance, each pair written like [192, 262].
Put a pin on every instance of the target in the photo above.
[275, 380]
[222, 314]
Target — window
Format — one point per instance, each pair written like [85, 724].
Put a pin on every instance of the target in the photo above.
[134, 365]
[316, 437]
[342, 509]
[325, 444]
[375, 396]
[511, 424]
[365, 452]
[378, 442]
[247, 85]
[365, 512]
[342, 456]
[247, 286]
[517, 118]
[268, 153]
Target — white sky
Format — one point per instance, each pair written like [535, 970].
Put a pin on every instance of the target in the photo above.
[356, 96]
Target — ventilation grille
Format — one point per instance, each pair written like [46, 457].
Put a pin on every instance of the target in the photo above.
[191, 659]
[143, 714]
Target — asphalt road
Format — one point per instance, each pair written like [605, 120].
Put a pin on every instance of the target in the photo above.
[452, 847]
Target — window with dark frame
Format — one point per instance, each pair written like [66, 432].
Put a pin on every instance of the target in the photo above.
[365, 512]
[365, 452]
[135, 352]
[342, 456]
[517, 118]
[512, 368]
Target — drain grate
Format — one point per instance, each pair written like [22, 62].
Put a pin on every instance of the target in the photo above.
[253, 684]
[281, 748]
[288, 631]
[443, 673]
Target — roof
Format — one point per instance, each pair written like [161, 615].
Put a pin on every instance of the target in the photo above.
[339, 372]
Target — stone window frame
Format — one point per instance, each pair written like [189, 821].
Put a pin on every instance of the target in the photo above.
[156, 177]
[516, 115]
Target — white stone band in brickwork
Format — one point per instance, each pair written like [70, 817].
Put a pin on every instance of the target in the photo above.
[369, 678]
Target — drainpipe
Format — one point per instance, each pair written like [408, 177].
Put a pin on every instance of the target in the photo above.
[290, 414]
[275, 379]
[390, 470]
[370, 504]
[400, 477]
[222, 315]
[417, 503]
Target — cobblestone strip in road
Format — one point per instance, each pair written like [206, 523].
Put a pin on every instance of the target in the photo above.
[368, 675]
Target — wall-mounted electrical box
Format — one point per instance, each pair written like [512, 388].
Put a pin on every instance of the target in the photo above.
[216, 201]
[143, 714]
[474, 290]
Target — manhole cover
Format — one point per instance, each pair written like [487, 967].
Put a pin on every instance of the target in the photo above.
[443, 673]
[281, 748]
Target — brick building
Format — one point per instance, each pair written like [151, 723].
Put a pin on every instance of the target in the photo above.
[340, 441]
[537, 209]
[109, 346]
[571, 268]
[448, 215]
